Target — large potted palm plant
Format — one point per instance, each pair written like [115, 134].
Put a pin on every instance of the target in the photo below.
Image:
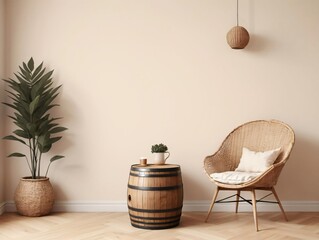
[31, 97]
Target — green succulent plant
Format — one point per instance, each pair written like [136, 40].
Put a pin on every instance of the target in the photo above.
[32, 97]
[158, 148]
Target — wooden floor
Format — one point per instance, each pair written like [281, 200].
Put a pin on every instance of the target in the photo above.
[106, 226]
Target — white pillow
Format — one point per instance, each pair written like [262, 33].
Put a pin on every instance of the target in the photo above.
[251, 161]
[234, 177]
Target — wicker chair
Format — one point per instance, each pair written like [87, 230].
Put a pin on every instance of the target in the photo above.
[260, 135]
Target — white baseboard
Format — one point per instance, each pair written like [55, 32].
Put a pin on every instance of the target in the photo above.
[289, 206]
[2, 207]
[109, 206]
[189, 206]
[77, 206]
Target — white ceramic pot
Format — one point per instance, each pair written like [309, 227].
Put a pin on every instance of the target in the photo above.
[159, 158]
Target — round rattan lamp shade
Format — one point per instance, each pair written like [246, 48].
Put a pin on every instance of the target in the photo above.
[237, 37]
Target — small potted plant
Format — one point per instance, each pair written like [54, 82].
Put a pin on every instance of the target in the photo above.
[32, 95]
[159, 150]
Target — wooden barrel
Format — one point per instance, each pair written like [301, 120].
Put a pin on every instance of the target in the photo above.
[155, 196]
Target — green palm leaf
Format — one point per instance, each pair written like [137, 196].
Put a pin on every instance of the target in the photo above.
[56, 157]
[16, 154]
[11, 137]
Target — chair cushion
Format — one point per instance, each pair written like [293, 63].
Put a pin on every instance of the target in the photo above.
[232, 177]
[251, 161]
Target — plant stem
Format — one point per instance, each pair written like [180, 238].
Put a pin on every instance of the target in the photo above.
[39, 164]
[30, 156]
[28, 164]
[46, 173]
[34, 156]
[31, 159]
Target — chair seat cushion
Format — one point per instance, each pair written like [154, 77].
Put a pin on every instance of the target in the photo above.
[232, 177]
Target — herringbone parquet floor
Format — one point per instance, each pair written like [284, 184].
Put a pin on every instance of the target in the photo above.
[116, 226]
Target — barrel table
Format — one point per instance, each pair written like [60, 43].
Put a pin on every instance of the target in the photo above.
[155, 196]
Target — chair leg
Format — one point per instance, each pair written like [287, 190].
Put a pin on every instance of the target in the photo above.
[279, 203]
[254, 208]
[237, 199]
[212, 203]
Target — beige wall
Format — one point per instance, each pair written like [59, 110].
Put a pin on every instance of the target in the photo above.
[135, 73]
[2, 155]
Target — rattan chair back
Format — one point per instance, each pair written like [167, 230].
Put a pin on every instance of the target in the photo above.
[261, 135]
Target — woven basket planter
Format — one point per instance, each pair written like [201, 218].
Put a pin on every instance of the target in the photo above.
[34, 197]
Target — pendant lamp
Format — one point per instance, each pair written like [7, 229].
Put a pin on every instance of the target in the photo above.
[238, 36]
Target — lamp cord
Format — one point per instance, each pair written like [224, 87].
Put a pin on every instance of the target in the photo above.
[237, 12]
